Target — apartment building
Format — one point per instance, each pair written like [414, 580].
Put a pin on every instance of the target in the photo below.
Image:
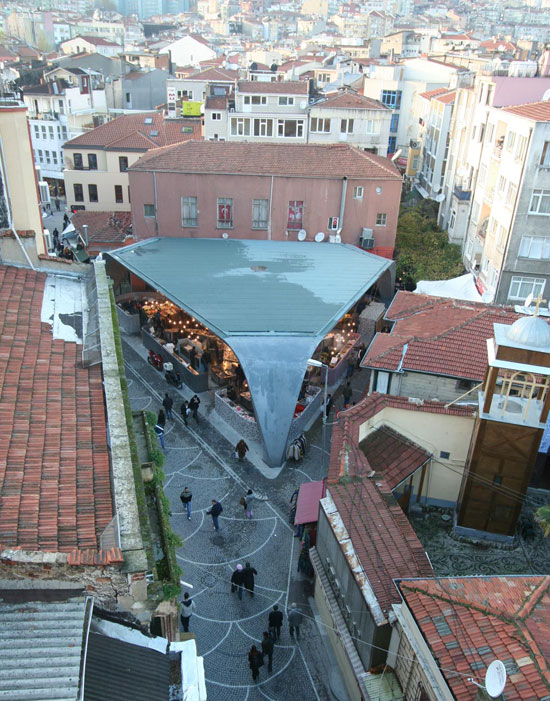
[279, 192]
[90, 45]
[196, 87]
[507, 244]
[96, 163]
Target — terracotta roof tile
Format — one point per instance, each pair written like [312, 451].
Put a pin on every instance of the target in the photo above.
[104, 227]
[433, 93]
[280, 159]
[55, 490]
[537, 111]
[280, 87]
[131, 132]
[214, 75]
[500, 617]
[349, 100]
[96, 41]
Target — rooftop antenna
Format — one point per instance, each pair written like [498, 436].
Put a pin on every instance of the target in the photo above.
[495, 679]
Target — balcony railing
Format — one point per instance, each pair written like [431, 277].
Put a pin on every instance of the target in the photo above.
[462, 194]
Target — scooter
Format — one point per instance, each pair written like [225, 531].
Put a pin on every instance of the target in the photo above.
[155, 360]
[173, 378]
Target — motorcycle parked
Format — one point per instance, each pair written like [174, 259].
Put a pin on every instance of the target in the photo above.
[173, 378]
[155, 360]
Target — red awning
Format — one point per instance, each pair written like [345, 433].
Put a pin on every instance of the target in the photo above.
[307, 509]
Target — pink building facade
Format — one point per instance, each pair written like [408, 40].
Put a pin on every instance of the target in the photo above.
[267, 191]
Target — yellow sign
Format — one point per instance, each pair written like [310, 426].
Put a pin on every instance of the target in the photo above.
[190, 109]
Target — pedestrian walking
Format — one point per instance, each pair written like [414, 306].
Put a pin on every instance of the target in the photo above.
[295, 618]
[255, 661]
[187, 608]
[351, 365]
[249, 499]
[346, 393]
[57, 204]
[159, 430]
[248, 578]
[206, 359]
[66, 221]
[168, 403]
[241, 449]
[55, 235]
[215, 511]
[361, 348]
[275, 620]
[328, 405]
[237, 581]
[161, 418]
[267, 649]
[185, 411]
[186, 497]
[194, 406]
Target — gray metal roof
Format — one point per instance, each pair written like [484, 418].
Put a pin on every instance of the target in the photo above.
[250, 287]
[41, 649]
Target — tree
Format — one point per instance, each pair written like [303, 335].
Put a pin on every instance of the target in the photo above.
[542, 517]
[423, 251]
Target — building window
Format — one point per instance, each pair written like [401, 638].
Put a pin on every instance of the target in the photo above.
[545, 155]
[510, 141]
[286, 101]
[149, 210]
[346, 126]
[295, 214]
[118, 194]
[44, 133]
[521, 147]
[54, 157]
[391, 98]
[77, 160]
[537, 247]
[381, 219]
[260, 210]
[92, 161]
[189, 211]
[358, 192]
[511, 194]
[216, 116]
[36, 131]
[225, 212]
[255, 100]
[78, 192]
[128, 98]
[92, 192]
[475, 212]
[394, 123]
[392, 142]
[320, 126]
[51, 133]
[501, 185]
[540, 202]
[263, 127]
[372, 126]
[40, 155]
[482, 174]
[290, 128]
[240, 126]
[47, 154]
[452, 220]
[522, 287]
[64, 132]
[122, 164]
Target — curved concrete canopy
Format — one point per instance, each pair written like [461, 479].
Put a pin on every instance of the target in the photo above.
[271, 302]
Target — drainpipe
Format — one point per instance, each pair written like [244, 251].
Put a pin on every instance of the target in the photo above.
[342, 203]
[155, 188]
[270, 201]
[8, 202]
[85, 227]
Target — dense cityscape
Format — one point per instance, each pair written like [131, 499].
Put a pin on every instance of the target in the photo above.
[274, 350]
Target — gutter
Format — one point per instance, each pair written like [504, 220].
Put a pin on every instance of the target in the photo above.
[342, 204]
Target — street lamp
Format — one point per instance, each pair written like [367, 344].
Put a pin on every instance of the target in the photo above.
[318, 364]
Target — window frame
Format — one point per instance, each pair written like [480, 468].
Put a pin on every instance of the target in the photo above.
[216, 116]
[147, 212]
[286, 101]
[314, 128]
[121, 167]
[541, 194]
[92, 158]
[78, 161]
[537, 286]
[78, 191]
[119, 190]
[227, 222]
[295, 215]
[192, 219]
[528, 241]
[260, 208]
[356, 194]
[381, 219]
[346, 126]
[299, 126]
[92, 188]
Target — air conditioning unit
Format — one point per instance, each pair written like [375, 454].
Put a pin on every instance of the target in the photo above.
[366, 240]
[333, 223]
[48, 240]
[44, 192]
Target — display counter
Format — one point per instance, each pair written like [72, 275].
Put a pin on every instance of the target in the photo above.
[197, 381]
[338, 369]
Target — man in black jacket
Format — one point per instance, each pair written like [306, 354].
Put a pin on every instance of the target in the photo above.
[215, 511]
[267, 649]
[168, 403]
[248, 578]
[275, 622]
[194, 406]
[186, 497]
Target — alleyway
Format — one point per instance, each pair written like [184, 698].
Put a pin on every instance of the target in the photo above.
[202, 459]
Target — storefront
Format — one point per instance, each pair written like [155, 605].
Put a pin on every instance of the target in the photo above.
[242, 318]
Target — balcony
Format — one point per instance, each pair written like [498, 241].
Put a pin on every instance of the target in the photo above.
[461, 194]
[44, 116]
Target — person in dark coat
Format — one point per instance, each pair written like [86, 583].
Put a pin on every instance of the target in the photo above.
[215, 511]
[346, 393]
[241, 449]
[55, 235]
[186, 497]
[168, 403]
[267, 649]
[255, 661]
[328, 406]
[187, 608]
[248, 578]
[237, 581]
[194, 406]
[275, 620]
[161, 419]
[66, 221]
[57, 204]
[185, 411]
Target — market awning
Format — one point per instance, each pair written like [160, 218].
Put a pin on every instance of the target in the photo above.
[307, 509]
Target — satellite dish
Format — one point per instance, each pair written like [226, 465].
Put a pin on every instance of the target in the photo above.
[495, 679]
[529, 300]
[302, 235]
[440, 197]
[320, 237]
[337, 239]
[397, 154]
[225, 236]
[303, 105]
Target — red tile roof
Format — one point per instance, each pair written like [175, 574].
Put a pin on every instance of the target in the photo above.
[130, 132]
[537, 111]
[55, 489]
[216, 102]
[349, 100]
[214, 75]
[104, 227]
[437, 335]
[96, 41]
[311, 160]
[392, 455]
[279, 87]
[468, 622]
[434, 93]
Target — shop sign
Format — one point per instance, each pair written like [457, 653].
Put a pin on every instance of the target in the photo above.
[171, 94]
[190, 108]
